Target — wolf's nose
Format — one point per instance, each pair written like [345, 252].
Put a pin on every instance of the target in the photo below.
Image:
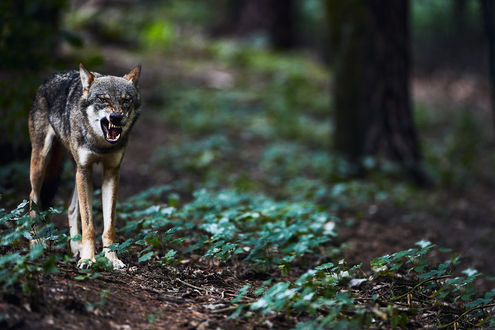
[116, 119]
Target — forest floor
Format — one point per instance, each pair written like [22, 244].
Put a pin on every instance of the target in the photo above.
[197, 293]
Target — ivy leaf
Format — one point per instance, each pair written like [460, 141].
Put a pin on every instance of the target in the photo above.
[328, 265]
[242, 293]
[146, 256]
[50, 265]
[36, 251]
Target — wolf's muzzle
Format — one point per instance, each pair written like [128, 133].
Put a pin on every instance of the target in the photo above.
[116, 119]
[110, 130]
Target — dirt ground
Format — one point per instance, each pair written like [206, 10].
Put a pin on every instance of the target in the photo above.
[197, 294]
[136, 298]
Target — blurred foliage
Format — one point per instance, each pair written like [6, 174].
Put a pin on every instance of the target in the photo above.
[29, 36]
[159, 34]
[148, 24]
[16, 95]
[448, 34]
[439, 19]
[29, 33]
[454, 156]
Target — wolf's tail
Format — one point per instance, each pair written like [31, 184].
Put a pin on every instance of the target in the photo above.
[52, 175]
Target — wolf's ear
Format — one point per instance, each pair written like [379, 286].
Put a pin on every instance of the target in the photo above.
[134, 74]
[87, 77]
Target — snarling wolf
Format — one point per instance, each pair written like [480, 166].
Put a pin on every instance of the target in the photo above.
[90, 115]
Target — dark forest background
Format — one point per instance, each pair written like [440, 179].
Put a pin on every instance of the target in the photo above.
[374, 53]
[378, 112]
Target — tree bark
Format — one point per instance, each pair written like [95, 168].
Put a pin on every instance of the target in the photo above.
[370, 44]
[488, 11]
[459, 16]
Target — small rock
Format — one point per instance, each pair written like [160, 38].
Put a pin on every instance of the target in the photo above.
[214, 306]
[356, 282]
[114, 325]
[268, 324]
[49, 320]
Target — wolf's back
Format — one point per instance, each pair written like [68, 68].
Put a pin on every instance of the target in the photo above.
[54, 100]
[56, 97]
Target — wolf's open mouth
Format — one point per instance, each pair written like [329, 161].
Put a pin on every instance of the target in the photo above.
[111, 131]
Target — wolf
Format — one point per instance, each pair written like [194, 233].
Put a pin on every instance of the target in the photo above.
[91, 115]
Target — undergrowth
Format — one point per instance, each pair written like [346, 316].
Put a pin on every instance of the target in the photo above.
[297, 240]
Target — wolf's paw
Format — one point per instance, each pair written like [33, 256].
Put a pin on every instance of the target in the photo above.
[75, 247]
[116, 262]
[85, 263]
[87, 258]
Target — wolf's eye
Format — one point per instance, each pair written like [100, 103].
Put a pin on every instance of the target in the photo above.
[102, 99]
[126, 103]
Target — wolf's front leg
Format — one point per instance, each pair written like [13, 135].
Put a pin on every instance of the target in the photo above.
[109, 199]
[84, 182]
[74, 220]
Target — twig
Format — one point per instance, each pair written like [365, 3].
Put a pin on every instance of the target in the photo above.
[441, 326]
[420, 284]
[190, 285]
[228, 309]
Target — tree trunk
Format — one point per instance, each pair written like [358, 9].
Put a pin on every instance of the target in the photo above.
[275, 18]
[488, 11]
[370, 44]
[459, 16]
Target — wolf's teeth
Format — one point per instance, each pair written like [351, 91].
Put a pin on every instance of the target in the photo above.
[110, 125]
[117, 137]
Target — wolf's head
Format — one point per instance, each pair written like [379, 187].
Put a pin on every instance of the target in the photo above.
[111, 103]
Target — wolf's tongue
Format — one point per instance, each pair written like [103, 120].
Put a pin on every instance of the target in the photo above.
[113, 132]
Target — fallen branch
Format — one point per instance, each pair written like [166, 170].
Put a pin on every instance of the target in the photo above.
[191, 286]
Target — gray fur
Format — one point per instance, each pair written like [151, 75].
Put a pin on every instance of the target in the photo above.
[79, 110]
